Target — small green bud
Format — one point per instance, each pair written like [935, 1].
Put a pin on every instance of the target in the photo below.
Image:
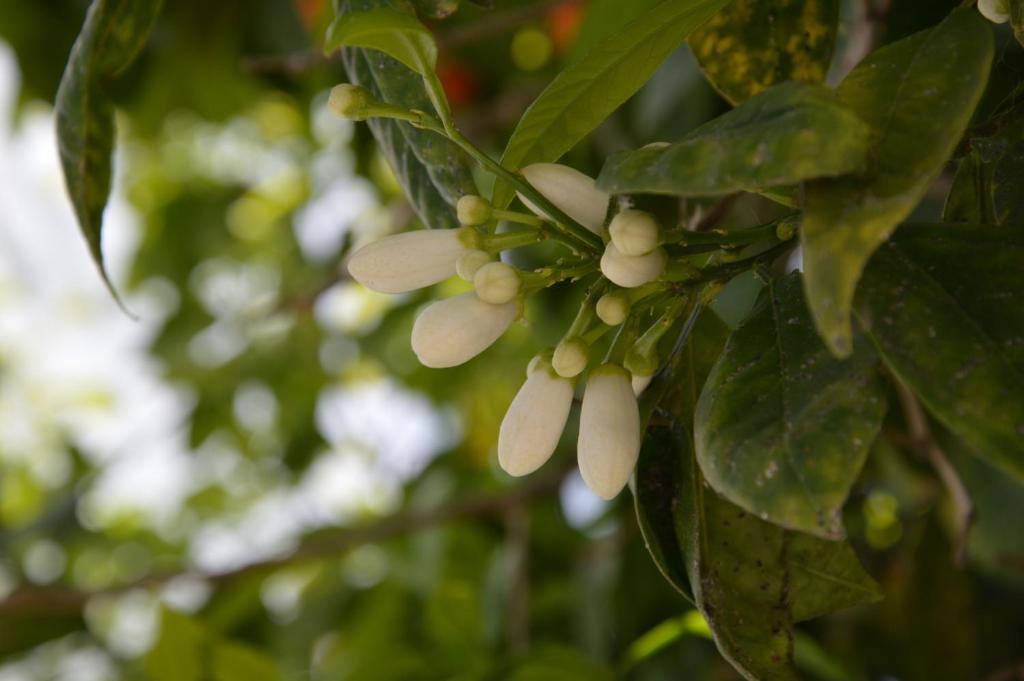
[634, 232]
[473, 210]
[350, 101]
[497, 283]
[996, 11]
[785, 230]
[571, 357]
[613, 308]
[469, 262]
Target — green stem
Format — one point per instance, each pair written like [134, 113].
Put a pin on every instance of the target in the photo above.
[494, 243]
[518, 218]
[721, 237]
[731, 269]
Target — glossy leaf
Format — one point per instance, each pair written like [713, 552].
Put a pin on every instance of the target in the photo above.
[751, 580]
[753, 44]
[782, 427]
[391, 31]
[605, 18]
[433, 172]
[945, 308]
[113, 34]
[586, 92]
[918, 95]
[789, 133]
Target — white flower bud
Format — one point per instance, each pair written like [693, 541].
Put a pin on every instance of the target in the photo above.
[571, 357]
[640, 384]
[634, 232]
[630, 271]
[469, 262]
[473, 210]
[453, 331]
[570, 190]
[350, 101]
[996, 11]
[609, 441]
[497, 283]
[408, 261]
[613, 308]
[535, 420]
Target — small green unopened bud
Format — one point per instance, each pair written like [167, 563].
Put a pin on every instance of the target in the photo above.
[497, 283]
[571, 357]
[613, 308]
[350, 101]
[634, 232]
[785, 230]
[470, 262]
[473, 210]
[996, 11]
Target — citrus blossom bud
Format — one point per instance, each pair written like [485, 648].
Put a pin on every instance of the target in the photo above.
[571, 357]
[613, 308]
[473, 210]
[408, 261]
[468, 262]
[350, 101]
[609, 440]
[634, 232]
[535, 420]
[640, 384]
[996, 11]
[455, 330]
[496, 283]
[571, 191]
[630, 271]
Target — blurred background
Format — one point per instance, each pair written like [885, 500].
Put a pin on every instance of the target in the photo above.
[256, 480]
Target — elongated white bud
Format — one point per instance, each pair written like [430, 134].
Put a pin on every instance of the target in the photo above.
[570, 190]
[408, 261]
[996, 11]
[571, 357]
[609, 441]
[640, 384]
[455, 330]
[535, 420]
[473, 210]
[630, 271]
[634, 232]
[613, 308]
[497, 283]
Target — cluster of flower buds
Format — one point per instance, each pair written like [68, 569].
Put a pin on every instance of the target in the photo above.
[452, 331]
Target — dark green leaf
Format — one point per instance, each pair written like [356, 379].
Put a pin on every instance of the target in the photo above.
[235, 662]
[753, 44]
[113, 34]
[177, 653]
[585, 93]
[605, 18]
[433, 172]
[918, 95]
[751, 580]
[789, 133]
[782, 427]
[391, 31]
[945, 307]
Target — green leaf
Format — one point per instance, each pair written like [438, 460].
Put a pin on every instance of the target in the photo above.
[433, 172]
[782, 427]
[945, 308]
[177, 653]
[113, 34]
[394, 32]
[751, 580]
[789, 133]
[754, 44]
[588, 91]
[605, 18]
[918, 95]
[235, 662]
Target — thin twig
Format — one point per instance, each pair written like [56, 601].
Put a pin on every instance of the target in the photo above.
[922, 442]
[60, 601]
